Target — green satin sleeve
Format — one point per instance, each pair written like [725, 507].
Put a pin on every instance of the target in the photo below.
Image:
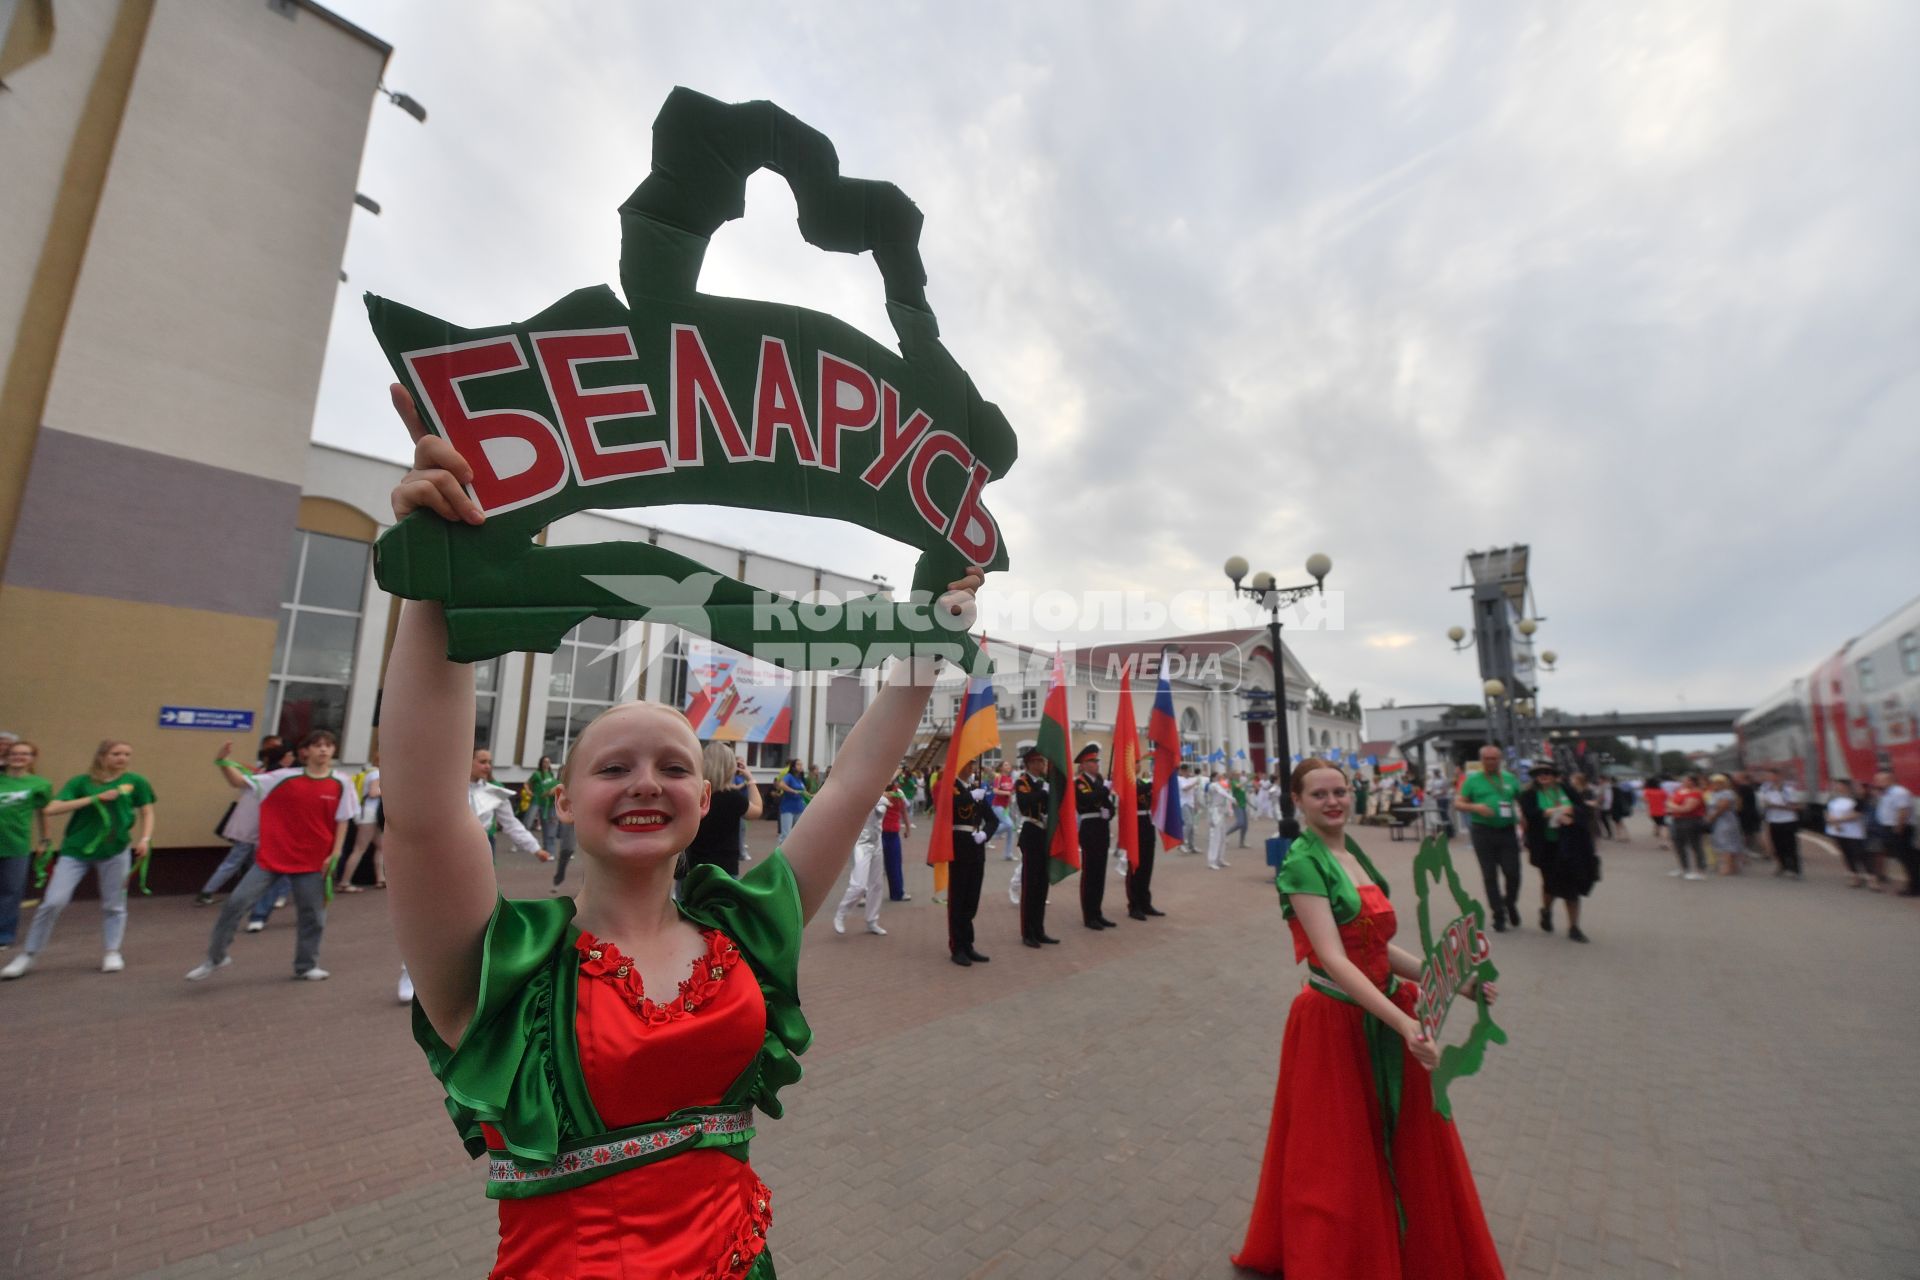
[512, 1068]
[761, 912]
[1309, 869]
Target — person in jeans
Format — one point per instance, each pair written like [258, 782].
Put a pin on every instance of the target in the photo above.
[1893, 824]
[304, 816]
[1849, 830]
[240, 828]
[24, 797]
[1490, 799]
[1687, 818]
[791, 789]
[1780, 807]
[111, 828]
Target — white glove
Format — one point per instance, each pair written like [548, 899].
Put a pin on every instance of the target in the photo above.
[1106, 815]
[979, 837]
[979, 794]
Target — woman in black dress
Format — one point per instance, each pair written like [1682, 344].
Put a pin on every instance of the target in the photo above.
[1559, 825]
[735, 800]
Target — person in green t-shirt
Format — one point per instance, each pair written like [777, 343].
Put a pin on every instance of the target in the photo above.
[1490, 798]
[24, 797]
[110, 831]
[542, 813]
[1238, 785]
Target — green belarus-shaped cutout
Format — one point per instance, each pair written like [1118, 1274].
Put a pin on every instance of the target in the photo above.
[675, 396]
[1460, 952]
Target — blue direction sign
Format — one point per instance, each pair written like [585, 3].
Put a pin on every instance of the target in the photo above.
[1257, 714]
[224, 719]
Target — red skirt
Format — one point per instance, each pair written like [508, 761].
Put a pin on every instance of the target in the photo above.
[1325, 1207]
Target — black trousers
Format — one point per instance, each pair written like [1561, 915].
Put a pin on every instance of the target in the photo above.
[1498, 849]
[1690, 834]
[1033, 881]
[1785, 838]
[1096, 837]
[1140, 881]
[963, 890]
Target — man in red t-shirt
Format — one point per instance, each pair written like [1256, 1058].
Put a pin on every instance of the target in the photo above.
[304, 815]
[1656, 797]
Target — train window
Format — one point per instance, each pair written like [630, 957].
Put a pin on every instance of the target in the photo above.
[1910, 653]
[1865, 669]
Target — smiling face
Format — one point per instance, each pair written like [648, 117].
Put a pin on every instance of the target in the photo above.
[1324, 800]
[20, 757]
[633, 784]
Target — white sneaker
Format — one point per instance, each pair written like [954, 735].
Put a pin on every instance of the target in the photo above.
[205, 969]
[112, 962]
[256, 926]
[315, 974]
[280, 902]
[18, 966]
[1693, 875]
[839, 923]
[876, 929]
[406, 986]
[1679, 872]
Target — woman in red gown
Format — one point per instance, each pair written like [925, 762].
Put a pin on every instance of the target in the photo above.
[608, 1053]
[1361, 1177]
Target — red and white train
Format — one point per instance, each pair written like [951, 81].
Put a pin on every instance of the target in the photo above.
[1857, 712]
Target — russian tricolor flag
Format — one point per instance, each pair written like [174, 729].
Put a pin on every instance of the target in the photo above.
[1163, 731]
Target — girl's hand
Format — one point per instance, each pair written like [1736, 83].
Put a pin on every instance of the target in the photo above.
[439, 472]
[958, 602]
[1426, 1052]
[226, 751]
[125, 788]
[1488, 989]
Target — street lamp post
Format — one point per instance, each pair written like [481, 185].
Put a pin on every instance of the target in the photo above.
[1274, 599]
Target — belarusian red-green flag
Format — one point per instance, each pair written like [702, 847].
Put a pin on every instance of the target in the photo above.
[1126, 766]
[1056, 744]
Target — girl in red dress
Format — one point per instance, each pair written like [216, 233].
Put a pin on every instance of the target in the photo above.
[607, 1053]
[1362, 1177]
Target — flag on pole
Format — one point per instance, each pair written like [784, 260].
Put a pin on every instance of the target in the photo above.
[1126, 764]
[1163, 732]
[976, 729]
[1056, 744]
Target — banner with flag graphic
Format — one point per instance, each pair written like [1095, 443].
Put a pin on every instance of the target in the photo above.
[976, 729]
[1056, 744]
[1163, 731]
[1126, 764]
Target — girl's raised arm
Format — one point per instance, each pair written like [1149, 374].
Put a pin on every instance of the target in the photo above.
[822, 839]
[441, 890]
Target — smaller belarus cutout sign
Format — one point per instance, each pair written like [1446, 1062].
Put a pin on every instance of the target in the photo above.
[1454, 956]
[675, 396]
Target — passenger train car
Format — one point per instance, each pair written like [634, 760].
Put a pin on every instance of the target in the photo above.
[1856, 712]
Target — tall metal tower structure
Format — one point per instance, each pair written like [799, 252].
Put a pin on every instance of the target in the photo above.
[1504, 614]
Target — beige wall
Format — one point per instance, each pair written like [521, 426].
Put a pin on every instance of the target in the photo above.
[200, 320]
[59, 693]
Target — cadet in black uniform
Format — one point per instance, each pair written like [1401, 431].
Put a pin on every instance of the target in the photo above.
[1140, 879]
[973, 825]
[1093, 805]
[1030, 798]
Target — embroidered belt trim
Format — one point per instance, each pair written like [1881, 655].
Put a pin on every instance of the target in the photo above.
[649, 1143]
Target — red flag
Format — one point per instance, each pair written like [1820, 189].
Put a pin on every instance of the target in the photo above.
[1126, 763]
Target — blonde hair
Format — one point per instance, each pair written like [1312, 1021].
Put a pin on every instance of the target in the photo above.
[717, 763]
[573, 748]
[98, 769]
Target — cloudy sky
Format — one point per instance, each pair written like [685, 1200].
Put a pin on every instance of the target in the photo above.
[1635, 284]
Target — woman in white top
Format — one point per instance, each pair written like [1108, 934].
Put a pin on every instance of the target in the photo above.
[367, 831]
[1849, 830]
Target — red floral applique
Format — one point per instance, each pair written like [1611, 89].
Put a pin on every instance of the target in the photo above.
[749, 1239]
[603, 960]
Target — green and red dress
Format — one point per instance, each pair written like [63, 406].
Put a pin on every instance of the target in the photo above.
[1361, 1177]
[615, 1121]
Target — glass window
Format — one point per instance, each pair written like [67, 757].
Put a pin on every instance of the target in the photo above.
[335, 576]
[1910, 653]
[304, 706]
[1865, 668]
[1093, 704]
[584, 682]
[1029, 704]
[322, 645]
[316, 635]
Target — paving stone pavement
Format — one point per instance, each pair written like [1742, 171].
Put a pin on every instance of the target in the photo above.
[1712, 1088]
